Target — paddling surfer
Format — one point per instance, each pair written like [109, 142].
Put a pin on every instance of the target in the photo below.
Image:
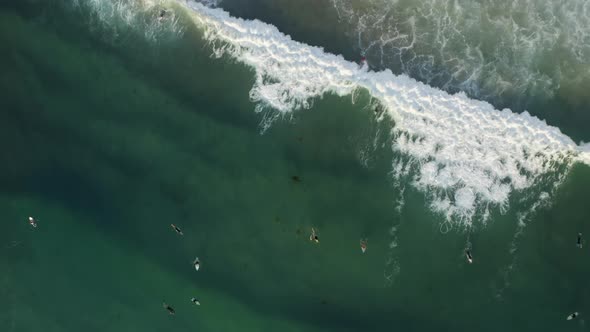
[363, 62]
[33, 222]
[363, 245]
[579, 243]
[468, 256]
[195, 301]
[169, 308]
[313, 237]
[176, 229]
[572, 316]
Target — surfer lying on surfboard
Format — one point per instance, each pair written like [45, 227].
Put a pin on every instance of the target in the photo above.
[176, 229]
[169, 308]
[468, 255]
[313, 237]
[33, 222]
[363, 245]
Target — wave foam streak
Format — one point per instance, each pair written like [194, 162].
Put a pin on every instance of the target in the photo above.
[491, 49]
[121, 20]
[462, 153]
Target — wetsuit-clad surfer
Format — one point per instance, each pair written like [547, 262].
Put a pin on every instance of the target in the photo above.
[195, 301]
[579, 244]
[363, 62]
[169, 308]
[176, 229]
[364, 245]
[33, 222]
[161, 15]
[468, 255]
[572, 316]
[314, 236]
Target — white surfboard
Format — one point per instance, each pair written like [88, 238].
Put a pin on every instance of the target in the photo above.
[197, 264]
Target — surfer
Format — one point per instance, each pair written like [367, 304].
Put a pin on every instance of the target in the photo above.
[579, 244]
[468, 255]
[176, 229]
[169, 308]
[314, 236]
[197, 263]
[363, 245]
[363, 62]
[572, 316]
[296, 178]
[33, 222]
[161, 15]
[195, 301]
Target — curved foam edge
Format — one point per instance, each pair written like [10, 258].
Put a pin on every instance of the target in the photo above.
[464, 154]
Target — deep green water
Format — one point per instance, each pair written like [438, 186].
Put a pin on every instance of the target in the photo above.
[108, 142]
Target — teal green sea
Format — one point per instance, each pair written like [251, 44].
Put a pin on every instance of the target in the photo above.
[108, 139]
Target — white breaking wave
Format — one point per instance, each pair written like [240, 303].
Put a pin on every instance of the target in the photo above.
[585, 153]
[210, 3]
[464, 154]
[486, 48]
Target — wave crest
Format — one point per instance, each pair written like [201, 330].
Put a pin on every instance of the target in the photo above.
[493, 50]
[462, 153]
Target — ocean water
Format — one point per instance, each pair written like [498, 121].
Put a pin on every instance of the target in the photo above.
[524, 55]
[116, 123]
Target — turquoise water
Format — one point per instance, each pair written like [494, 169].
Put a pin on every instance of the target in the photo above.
[110, 134]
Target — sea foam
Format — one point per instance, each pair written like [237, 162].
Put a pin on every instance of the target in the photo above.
[506, 51]
[464, 154]
[585, 153]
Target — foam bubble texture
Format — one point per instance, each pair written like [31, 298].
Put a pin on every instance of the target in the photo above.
[493, 50]
[585, 153]
[464, 154]
[117, 18]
